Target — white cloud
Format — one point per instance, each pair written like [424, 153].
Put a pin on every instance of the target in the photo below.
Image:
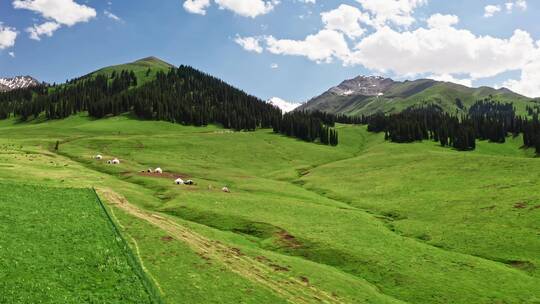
[491, 10]
[47, 29]
[11, 54]
[65, 12]
[274, 66]
[346, 19]
[397, 12]
[321, 47]
[8, 35]
[529, 82]
[247, 8]
[285, 106]
[442, 21]
[196, 6]
[449, 78]
[251, 44]
[112, 16]
[442, 50]
[522, 4]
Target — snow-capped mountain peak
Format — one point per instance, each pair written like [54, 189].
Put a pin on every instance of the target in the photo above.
[18, 82]
[285, 106]
[363, 85]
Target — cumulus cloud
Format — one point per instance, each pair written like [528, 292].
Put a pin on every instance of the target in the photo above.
[321, 47]
[196, 6]
[529, 82]
[8, 35]
[65, 12]
[57, 12]
[251, 44]
[442, 50]
[491, 10]
[11, 54]
[245, 8]
[346, 19]
[396, 12]
[449, 78]
[442, 21]
[45, 29]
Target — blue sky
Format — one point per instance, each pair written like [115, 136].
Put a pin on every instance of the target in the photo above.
[292, 49]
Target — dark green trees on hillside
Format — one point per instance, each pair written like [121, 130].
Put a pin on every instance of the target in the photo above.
[486, 120]
[182, 95]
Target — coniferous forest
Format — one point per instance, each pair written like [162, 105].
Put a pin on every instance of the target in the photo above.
[485, 120]
[182, 95]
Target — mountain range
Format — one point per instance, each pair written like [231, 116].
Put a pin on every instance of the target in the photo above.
[371, 94]
[18, 82]
[362, 95]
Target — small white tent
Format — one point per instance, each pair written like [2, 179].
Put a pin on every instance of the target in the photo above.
[179, 181]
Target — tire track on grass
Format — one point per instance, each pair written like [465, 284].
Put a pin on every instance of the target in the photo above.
[290, 288]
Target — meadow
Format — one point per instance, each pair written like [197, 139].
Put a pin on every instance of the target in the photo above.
[58, 247]
[364, 222]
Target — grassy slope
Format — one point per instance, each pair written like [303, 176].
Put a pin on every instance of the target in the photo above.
[139, 67]
[57, 246]
[371, 221]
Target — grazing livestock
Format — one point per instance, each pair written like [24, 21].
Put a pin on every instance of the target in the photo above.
[226, 190]
[189, 182]
[98, 157]
[158, 171]
[179, 181]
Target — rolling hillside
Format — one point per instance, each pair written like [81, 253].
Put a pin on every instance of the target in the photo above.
[365, 222]
[369, 95]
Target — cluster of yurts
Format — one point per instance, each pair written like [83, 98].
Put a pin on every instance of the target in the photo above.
[178, 181]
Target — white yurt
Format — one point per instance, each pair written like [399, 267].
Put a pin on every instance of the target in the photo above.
[98, 157]
[225, 189]
[115, 161]
[179, 181]
[158, 171]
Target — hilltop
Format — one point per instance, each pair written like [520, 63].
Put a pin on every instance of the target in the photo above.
[372, 94]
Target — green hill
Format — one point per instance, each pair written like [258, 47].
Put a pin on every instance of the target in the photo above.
[367, 221]
[139, 67]
[369, 95]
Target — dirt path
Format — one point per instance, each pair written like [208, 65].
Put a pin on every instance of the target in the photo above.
[261, 271]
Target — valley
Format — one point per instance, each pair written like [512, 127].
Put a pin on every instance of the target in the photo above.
[367, 221]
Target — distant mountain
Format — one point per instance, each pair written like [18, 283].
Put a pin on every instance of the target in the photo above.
[19, 82]
[371, 94]
[285, 106]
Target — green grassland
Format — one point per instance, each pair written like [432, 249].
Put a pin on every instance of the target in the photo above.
[57, 246]
[364, 222]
